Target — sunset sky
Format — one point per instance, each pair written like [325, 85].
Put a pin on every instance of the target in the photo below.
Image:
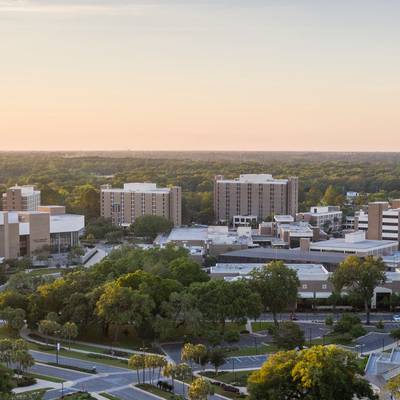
[200, 75]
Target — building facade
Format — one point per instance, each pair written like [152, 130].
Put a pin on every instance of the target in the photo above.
[257, 195]
[324, 217]
[21, 198]
[381, 221]
[123, 206]
[24, 233]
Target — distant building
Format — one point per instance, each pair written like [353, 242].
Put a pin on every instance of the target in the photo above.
[381, 220]
[323, 217]
[21, 198]
[123, 206]
[24, 233]
[354, 244]
[257, 195]
[213, 239]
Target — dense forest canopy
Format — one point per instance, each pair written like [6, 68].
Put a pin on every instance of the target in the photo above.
[73, 179]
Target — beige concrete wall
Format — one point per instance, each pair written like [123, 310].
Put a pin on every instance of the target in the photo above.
[375, 211]
[39, 231]
[52, 210]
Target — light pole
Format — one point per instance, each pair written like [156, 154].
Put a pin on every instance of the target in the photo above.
[255, 344]
[57, 351]
[233, 367]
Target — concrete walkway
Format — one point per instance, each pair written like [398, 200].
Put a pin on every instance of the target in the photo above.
[25, 331]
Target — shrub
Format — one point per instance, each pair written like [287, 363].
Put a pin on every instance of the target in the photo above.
[23, 381]
[380, 325]
[231, 336]
[357, 331]
[288, 336]
[346, 323]
[329, 321]
[214, 338]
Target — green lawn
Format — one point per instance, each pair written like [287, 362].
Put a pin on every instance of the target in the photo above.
[237, 378]
[109, 396]
[127, 339]
[252, 350]
[80, 356]
[158, 392]
[261, 326]
[46, 378]
[46, 271]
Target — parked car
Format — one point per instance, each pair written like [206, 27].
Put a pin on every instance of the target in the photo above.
[396, 318]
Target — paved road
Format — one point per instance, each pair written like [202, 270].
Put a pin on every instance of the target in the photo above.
[320, 316]
[374, 341]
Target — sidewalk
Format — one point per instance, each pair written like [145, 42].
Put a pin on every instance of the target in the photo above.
[24, 333]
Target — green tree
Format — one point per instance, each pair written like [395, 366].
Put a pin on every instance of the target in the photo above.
[48, 328]
[6, 383]
[187, 271]
[137, 362]
[217, 358]
[332, 197]
[123, 306]
[288, 336]
[199, 389]
[318, 373]
[149, 226]
[393, 387]
[360, 278]
[69, 331]
[277, 286]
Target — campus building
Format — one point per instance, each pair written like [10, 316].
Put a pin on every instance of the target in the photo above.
[324, 217]
[328, 252]
[257, 195]
[381, 220]
[21, 198]
[212, 240]
[24, 233]
[314, 279]
[123, 206]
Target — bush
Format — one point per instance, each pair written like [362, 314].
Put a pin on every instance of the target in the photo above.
[329, 321]
[395, 334]
[231, 336]
[288, 336]
[357, 331]
[346, 323]
[214, 338]
[380, 325]
[23, 381]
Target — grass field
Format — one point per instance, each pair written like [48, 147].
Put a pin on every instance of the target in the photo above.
[253, 351]
[109, 396]
[46, 378]
[238, 378]
[158, 392]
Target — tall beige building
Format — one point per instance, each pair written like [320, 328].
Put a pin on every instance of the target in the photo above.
[21, 198]
[123, 206]
[258, 195]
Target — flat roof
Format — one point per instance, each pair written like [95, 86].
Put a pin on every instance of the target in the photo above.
[290, 255]
[138, 187]
[342, 244]
[182, 234]
[255, 178]
[66, 223]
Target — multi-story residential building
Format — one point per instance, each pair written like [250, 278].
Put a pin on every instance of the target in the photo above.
[324, 217]
[24, 233]
[21, 198]
[123, 206]
[254, 194]
[381, 221]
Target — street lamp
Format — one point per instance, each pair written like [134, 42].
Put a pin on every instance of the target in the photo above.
[57, 351]
[255, 344]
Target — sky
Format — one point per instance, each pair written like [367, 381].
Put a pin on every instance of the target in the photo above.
[200, 75]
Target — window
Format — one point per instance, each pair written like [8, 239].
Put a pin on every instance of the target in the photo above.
[324, 286]
[304, 286]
